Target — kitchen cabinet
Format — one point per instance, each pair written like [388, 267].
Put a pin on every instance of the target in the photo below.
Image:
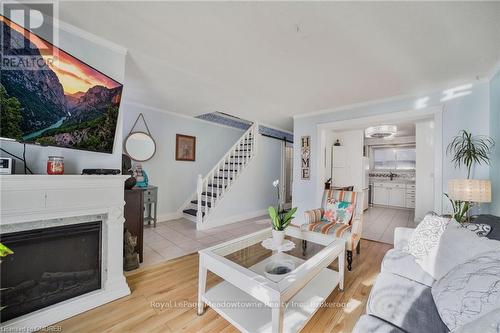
[393, 194]
[397, 197]
[410, 196]
[380, 195]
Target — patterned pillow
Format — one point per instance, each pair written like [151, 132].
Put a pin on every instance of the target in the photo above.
[426, 235]
[469, 291]
[329, 214]
[481, 229]
[339, 211]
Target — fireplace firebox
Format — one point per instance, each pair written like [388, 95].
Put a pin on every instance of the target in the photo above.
[49, 266]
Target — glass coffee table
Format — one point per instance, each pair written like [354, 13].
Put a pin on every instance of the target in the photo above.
[254, 296]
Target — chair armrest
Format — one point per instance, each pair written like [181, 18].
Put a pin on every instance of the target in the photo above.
[357, 225]
[402, 236]
[313, 216]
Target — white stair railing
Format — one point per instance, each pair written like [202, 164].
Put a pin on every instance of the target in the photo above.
[224, 173]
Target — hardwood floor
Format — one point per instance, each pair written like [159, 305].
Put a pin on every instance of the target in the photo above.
[163, 300]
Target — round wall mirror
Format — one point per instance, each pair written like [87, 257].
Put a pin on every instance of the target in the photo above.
[140, 146]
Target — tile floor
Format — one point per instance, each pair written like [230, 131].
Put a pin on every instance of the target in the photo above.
[176, 238]
[379, 222]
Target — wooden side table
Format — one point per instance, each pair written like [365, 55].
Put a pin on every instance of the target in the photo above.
[134, 216]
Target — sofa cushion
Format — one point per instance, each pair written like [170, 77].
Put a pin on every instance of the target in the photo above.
[404, 264]
[404, 303]
[456, 245]
[426, 235]
[401, 237]
[370, 324]
[327, 228]
[469, 290]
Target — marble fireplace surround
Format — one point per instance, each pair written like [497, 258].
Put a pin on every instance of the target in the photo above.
[41, 201]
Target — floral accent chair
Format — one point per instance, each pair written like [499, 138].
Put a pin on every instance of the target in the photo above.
[340, 215]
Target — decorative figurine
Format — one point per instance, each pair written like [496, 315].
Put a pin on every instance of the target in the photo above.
[130, 257]
[127, 170]
[141, 176]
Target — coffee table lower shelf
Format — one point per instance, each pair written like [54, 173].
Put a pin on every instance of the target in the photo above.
[255, 319]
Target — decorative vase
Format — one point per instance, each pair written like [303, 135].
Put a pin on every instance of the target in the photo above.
[278, 236]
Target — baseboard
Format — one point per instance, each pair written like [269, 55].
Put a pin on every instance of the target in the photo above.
[169, 216]
[232, 219]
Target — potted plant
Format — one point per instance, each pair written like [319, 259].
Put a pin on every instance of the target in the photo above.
[280, 219]
[4, 251]
[466, 150]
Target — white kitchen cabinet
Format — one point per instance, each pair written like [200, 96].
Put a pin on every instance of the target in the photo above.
[410, 196]
[380, 195]
[397, 197]
[393, 194]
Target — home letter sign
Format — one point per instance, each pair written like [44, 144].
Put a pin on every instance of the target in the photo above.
[305, 156]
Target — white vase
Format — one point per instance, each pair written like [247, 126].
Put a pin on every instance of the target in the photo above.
[278, 236]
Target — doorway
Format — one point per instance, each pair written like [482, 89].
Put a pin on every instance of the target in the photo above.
[287, 174]
[352, 133]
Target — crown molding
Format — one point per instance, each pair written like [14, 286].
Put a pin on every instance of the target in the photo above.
[175, 114]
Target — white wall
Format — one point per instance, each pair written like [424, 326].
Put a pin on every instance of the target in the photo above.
[107, 58]
[469, 112]
[495, 134]
[424, 175]
[176, 180]
[252, 193]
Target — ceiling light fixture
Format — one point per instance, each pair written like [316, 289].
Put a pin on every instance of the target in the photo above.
[382, 131]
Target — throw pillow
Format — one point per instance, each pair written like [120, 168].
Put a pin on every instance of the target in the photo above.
[455, 246]
[329, 214]
[481, 229]
[489, 323]
[338, 211]
[426, 235]
[469, 291]
[343, 212]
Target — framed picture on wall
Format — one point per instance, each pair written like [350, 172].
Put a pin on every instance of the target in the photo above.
[185, 147]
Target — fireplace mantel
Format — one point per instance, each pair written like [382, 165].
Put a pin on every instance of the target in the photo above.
[40, 201]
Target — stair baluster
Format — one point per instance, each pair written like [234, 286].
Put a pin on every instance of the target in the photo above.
[224, 173]
[199, 189]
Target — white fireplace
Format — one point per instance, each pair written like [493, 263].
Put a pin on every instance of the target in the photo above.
[31, 202]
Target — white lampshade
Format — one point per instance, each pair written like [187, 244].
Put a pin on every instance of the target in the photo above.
[472, 190]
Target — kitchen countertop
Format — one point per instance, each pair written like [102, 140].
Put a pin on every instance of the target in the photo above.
[395, 181]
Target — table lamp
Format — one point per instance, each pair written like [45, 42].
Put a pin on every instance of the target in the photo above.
[470, 190]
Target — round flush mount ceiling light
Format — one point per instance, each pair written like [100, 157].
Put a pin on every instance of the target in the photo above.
[382, 131]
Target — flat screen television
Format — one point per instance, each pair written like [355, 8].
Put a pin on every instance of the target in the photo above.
[61, 101]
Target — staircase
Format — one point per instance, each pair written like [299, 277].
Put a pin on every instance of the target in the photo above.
[212, 188]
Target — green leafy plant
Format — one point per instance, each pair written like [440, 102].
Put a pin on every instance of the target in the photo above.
[280, 218]
[460, 208]
[467, 149]
[4, 250]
